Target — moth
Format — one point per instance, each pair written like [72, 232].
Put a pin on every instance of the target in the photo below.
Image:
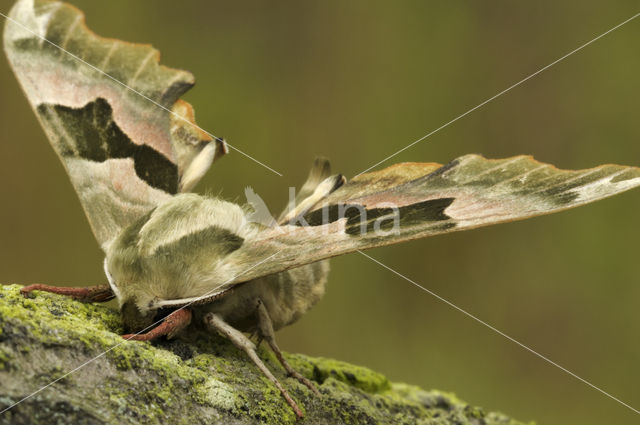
[132, 150]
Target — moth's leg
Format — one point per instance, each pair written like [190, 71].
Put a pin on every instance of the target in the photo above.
[255, 334]
[215, 322]
[265, 330]
[170, 326]
[99, 293]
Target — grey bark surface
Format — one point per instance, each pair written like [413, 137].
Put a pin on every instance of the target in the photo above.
[199, 378]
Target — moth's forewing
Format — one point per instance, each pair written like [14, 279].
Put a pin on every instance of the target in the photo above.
[427, 200]
[125, 149]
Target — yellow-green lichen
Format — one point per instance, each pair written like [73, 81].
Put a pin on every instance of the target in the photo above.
[356, 376]
[5, 358]
[198, 378]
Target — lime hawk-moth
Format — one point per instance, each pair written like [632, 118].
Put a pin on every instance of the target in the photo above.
[114, 116]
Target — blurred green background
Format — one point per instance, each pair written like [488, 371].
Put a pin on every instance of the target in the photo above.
[356, 81]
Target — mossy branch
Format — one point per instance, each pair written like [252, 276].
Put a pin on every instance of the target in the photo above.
[199, 378]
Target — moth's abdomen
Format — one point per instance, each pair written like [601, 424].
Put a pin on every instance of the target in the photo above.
[286, 295]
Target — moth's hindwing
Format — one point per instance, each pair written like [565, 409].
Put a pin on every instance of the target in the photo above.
[125, 149]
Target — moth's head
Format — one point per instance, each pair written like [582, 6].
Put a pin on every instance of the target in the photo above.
[134, 319]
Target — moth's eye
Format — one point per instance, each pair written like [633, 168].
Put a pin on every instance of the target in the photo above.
[133, 319]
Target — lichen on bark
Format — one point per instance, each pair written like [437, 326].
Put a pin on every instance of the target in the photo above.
[198, 378]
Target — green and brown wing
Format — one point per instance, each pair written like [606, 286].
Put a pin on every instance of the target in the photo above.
[410, 201]
[126, 149]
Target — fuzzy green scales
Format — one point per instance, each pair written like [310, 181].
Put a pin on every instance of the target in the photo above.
[193, 380]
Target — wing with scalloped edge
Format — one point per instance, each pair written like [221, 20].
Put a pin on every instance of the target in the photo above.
[411, 201]
[125, 149]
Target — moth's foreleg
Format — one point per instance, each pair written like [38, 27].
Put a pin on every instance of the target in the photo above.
[215, 322]
[99, 293]
[265, 331]
[170, 326]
